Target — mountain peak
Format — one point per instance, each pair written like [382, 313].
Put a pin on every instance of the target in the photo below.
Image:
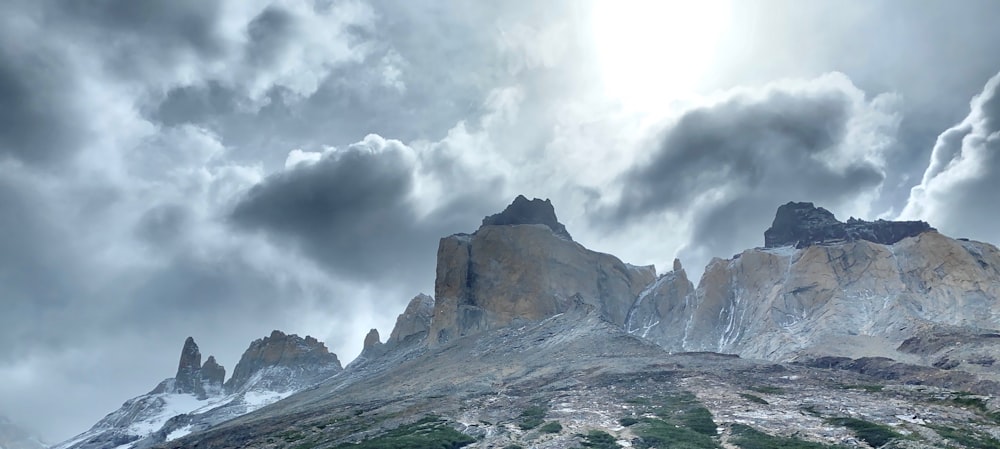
[525, 211]
[281, 352]
[804, 224]
[187, 378]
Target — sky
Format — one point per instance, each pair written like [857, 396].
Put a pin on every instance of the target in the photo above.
[174, 168]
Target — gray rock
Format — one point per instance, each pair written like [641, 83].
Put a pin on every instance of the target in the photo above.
[212, 374]
[414, 323]
[188, 377]
[523, 211]
[803, 224]
[270, 360]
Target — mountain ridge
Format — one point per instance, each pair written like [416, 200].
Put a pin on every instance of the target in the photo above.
[830, 324]
[196, 398]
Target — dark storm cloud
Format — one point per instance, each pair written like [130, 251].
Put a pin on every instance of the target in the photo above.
[958, 191]
[749, 144]
[729, 165]
[38, 118]
[154, 26]
[31, 281]
[351, 210]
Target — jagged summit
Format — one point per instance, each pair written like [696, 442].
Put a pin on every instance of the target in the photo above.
[803, 224]
[281, 352]
[272, 368]
[524, 211]
[192, 377]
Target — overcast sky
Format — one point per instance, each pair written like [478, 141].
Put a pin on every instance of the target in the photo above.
[221, 169]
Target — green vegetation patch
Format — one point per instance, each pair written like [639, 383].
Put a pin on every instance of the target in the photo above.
[661, 434]
[877, 435]
[747, 437]
[628, 421]
[684, 410]
[551, 427]
[532, 417]
[598, 439]
[753, 398]
[431, 432]
[968, 438]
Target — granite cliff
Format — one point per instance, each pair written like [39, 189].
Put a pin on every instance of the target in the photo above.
[855, 289]
[521, 265]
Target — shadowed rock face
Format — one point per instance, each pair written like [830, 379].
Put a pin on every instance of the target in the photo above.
[802, 224]
[212, 373]
[523, 211]
[188, 367]
[191, 376]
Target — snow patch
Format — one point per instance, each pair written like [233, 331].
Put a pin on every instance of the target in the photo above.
[178, 433]
[257, 399]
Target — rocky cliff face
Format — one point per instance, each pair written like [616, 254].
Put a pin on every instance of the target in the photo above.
[281, 362]
[192, 377]
[415, 322]
[802, 224]
[855, 297]
[505, 273]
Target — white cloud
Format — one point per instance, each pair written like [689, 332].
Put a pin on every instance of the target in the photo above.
[959, 189]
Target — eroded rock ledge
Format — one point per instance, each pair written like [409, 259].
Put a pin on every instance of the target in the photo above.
[803, 224]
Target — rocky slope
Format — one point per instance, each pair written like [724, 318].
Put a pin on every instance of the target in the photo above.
[196, 397]
[848, 297]
[534, 341]
[576, 380]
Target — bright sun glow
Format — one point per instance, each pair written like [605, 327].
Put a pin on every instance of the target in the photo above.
[653, 52]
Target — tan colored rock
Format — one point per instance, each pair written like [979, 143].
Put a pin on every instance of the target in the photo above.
[282, 353]
[372, 339]
[502, 274]
[851, 299]
[415, 322]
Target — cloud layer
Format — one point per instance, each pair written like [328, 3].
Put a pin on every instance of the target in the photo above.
[223, 169]
[722, 169]
[960, 186]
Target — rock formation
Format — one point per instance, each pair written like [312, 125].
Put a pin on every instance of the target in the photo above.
[802, 224]
[372, 339]
[269, 360]
[414, 323]
[525, 271]
[523, 211]
[196, 398]
[213, 375]
[853, 297]
[192, 377]
[188, 377]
